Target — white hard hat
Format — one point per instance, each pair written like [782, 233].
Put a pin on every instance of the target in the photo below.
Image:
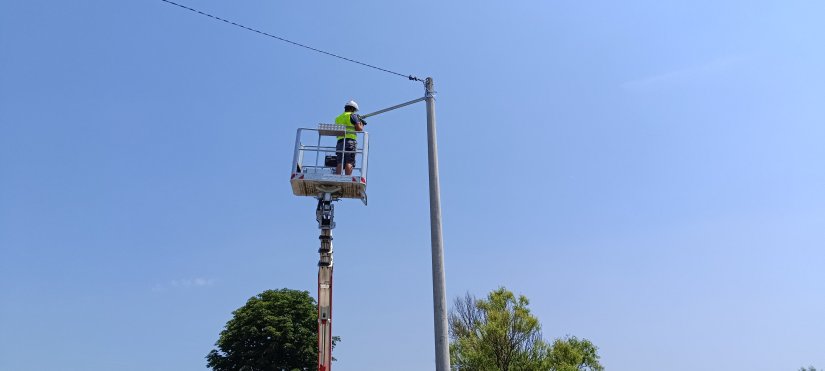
[352, 104]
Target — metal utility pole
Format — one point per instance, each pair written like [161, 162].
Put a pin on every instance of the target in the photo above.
[442, 347]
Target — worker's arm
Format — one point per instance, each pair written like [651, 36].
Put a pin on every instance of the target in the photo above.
[357, 122]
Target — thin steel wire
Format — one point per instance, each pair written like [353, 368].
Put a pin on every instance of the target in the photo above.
[409, 77]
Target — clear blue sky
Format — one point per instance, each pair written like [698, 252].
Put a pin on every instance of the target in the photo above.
[649, 173]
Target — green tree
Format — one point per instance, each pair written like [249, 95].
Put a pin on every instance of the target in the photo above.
[500, 334]
[572, 354]
[275, 330]
[810, 368]
[496, 333]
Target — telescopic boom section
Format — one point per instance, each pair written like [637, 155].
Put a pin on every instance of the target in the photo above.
[324, 214]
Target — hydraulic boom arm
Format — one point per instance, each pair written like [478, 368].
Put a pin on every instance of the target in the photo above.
[324, 214]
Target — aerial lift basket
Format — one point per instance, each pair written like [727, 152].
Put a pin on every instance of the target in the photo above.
[314, 163]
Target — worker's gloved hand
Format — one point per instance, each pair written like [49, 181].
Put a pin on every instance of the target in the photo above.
[364, 122]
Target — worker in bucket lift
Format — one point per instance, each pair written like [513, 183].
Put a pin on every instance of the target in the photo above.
[347, 144]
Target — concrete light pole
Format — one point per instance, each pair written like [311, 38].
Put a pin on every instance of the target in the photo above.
[442, 345]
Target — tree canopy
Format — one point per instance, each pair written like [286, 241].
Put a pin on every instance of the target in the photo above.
[275, 330]
[573, 354]
[499, 333]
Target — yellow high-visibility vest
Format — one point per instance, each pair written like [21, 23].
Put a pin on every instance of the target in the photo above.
[344, 119]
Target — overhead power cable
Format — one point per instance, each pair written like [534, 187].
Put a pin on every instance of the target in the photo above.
[409, 77]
